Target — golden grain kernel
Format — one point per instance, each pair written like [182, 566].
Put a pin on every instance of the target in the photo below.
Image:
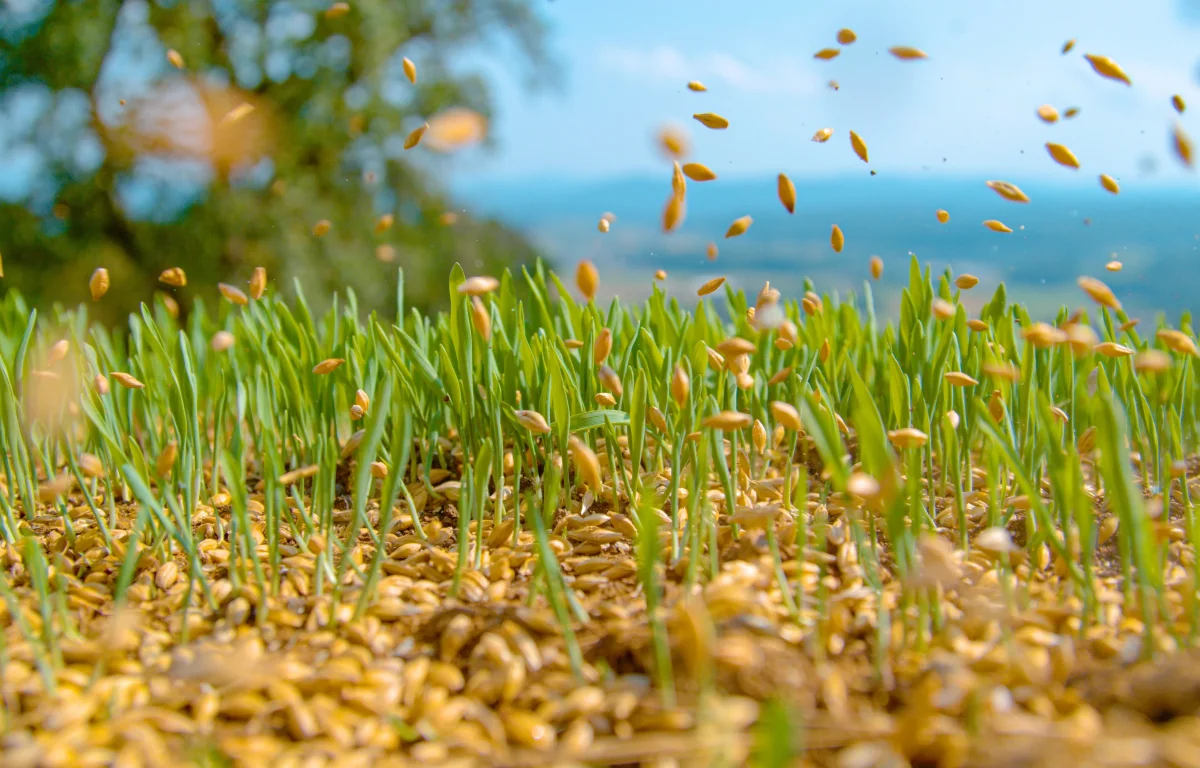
[1081, 338]
[385, 253]
[602, 346]
[176, 58]
[966, 281]
[322, 227]
[734, 346]
[1178, 104]
[481, 319]
[609, 378]
[908, 437]
[959, 379]
[1152, 361]
[975, 324]
[1112, 349]
[125, 380]
[1177, 341]
[680, 385]
[673, 141]
[953, 419]
[233, 294]
[478, 285]
[859, 146]
[1099, 292]
[384, 223]
[836, 239]
[823, 352]
[825, 54]
[697, 86]
[1008, 191]
[362, 400]
[166, 575]
[943, 215]
[996, 540]
[1043, 335]
[337, 10]
[602, 225]
[1109, 183]
[996, 226]
[58, 352]
[587, 279]
[166, 459]
[410, 70]
[258, 283]
[604, 399]
[822, 135]
[739, 226]
[727, 421]
[327, 366]
[833, 85]
[1106, 67]
[906, 53]
[876, 267]
[98, 284]
[698, 172]
[586, 463]
[711, 251]
[846, 36]
[1182, 145]
[711, 120]
[415, 135]
[100, 383]
[674, 212]
[1070, 112]
[942, 309]
[533, 421]
[174, 277]
[710, 286]
[1047, 114]
[787, 192]
[295, 476]
[1114, 266]
[787, 415]
[1062, 155]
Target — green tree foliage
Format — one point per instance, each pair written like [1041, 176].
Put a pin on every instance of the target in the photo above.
[114, 157]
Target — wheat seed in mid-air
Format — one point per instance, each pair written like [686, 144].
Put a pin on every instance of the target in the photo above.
[943, 215]
[1047, 114]
[846, 36]
[907, 53]
[1109, 183]
[825, 54]
[837, 239]
[410, 70]
[996, 226]
[739, 226]
[859, 146]
[1106, 67]
[711, 120]
[822, 135]
[697, 86]
[787, 193]
[698, 172]
[1061, 155]
[1008, 191]
[710, 286]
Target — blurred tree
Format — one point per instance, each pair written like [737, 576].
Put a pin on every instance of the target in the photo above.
[283, 113]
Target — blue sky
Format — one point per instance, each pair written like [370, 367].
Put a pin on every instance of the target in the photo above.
[967, 110]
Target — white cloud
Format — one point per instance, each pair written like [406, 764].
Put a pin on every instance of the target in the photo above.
[666, 64]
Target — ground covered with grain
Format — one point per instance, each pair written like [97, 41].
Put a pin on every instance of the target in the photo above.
[532, 530]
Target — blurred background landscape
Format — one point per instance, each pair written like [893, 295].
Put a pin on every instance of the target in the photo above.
[279, 115]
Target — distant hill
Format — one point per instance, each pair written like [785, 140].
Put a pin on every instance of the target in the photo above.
[1067, 230]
